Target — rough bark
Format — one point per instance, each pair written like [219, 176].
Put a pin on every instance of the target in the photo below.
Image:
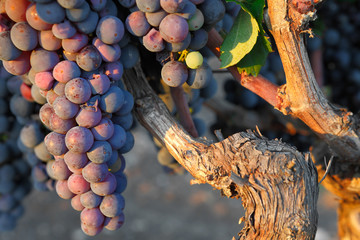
[277, 184]
[301, 96]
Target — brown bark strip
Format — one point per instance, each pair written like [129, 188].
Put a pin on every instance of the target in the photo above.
[182, 108]
[349, 220]
[301, 97]
[277, 184]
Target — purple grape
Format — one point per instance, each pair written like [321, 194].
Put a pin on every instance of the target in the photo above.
[63, 30]
[200, 77]
[59, 88]
[113, 159]
[76, 203]
[213, 11]
[66, 70]
[112, 100]
[112, 205]
[129, 143]
[44, 80]
[105, 187]
[42, 60]
[121, 181]
[60, 125]
[19, 65]
[129, 56]
[94, 172]
[103, 130]
[90, 230]
[89, 58]
[174, 73]
[55, 143]
[110, 9]
[109, 53]
[119, 137]
[63, 190]
[7, 202]
[188, 10]
[137, 24]
[100, 152]
[90, 199]
[64, 108]
[77, 184]
[180, 46]
[99, 84]
[31, 135]
[79, 13]
[8, 51]
[148, 5]
[42, 153]
[75, 43]
[154, 18]
[51, 96]
[38, 173]
[128, 104]
[174, 28]
[88, 25]
[172, 6]
[35, 93]
[23, 36]
[114, 223]
[110, 29]
[153, 41]
[59, 170]
[50, 12]
[125, 121]
[75, 160]
[127, 3]
[198, 40]
[79, 139]
[97, 5]
[88, 117]
[70, 3]
[32, 17]
[114, 70]
[78, 90]
[92, 217]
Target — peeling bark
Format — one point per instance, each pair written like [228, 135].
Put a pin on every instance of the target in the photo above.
[277, 184]
[301, 96]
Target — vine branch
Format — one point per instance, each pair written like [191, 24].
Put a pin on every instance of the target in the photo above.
[264, 173]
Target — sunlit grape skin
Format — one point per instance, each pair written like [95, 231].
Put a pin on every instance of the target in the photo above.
[174, 73]
[79, 139]
[194, 60]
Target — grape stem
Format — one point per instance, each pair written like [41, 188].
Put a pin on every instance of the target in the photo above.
[182, 108]
[258, 85]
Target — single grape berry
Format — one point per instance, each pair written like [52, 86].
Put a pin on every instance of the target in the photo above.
[194, 60]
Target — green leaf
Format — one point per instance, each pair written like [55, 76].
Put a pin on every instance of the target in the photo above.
[240, 40]
[256, 58]
[254, 7]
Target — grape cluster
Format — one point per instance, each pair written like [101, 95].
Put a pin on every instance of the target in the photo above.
[169, 27]
[31, 143]
[339, 40]
[15, 183]
[72, 55]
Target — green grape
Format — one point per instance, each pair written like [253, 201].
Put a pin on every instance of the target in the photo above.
[194, 60]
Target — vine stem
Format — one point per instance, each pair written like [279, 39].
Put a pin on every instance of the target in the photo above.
[182, 108]
[258, 85]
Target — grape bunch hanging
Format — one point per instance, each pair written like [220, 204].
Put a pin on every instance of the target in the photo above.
[70, 55]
